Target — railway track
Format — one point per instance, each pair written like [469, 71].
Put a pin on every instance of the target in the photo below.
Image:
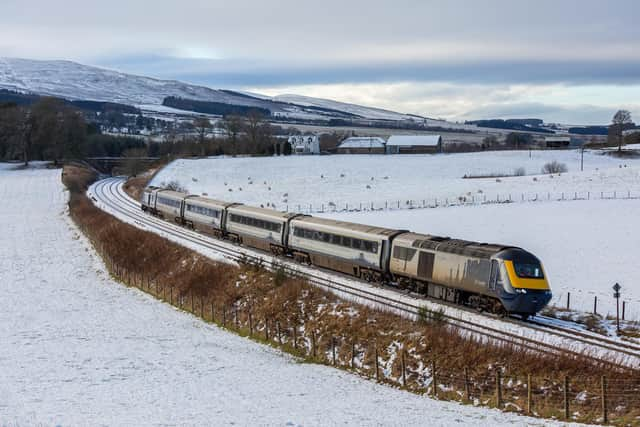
[109, 195]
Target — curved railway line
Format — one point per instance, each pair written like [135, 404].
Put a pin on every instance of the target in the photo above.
[109, 195]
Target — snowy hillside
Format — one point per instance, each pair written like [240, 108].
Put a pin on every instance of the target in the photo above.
[90, 351]
[81, 82]
[370, 113]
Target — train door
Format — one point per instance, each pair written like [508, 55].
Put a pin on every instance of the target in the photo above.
[493, 277]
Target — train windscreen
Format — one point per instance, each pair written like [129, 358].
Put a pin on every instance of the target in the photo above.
[528, 270]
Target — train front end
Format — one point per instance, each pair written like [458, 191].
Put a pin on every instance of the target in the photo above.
[525, 288]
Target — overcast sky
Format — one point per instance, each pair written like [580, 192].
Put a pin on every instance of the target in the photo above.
[571, 61]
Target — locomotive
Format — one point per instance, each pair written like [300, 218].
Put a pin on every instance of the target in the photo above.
[496, 278]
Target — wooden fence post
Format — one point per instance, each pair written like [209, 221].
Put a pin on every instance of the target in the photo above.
[333, 350]
[498, 389]
[266, 329]
[467, 388]
[595, 304]
[434, 381]
[376, 356]
[278, 332]
[250, 324]
[566, 397]
[235, 314]
[295, 336]
[313, 344]
[213, 317]
[192, 309]
[529, 394]
[171, 295]
[224, 316]
[568, 300]
[603, 399]
[353, 354]
[404, 369]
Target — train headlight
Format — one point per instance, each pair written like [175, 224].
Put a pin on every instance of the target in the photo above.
[521, 291]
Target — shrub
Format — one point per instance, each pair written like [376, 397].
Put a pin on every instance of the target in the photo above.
[554, 167]
[519, 171]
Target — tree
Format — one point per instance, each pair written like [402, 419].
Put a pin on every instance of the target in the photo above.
[233, 124]
[253, 126]
[621, 121]
[518, 140]
[134, 165]
[202, 125]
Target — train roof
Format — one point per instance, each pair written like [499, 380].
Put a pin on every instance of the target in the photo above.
[253, 210]
[449, 245]
[173, 194]
[351, 226]
[212, 202]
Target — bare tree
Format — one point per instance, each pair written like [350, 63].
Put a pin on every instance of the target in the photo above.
[134, 164]
[202, 125]
[254, 126]
[233, 124]
[620, 122]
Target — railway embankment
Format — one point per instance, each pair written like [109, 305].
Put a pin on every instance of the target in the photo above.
[315, 326]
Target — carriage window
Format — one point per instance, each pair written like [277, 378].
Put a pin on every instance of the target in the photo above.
[335, 239]
[404, 254]
[256, 223]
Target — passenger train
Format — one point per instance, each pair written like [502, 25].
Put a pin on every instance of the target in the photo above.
[488, 277]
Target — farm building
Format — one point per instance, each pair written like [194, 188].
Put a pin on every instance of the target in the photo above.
[308, 144]
[414, 144]
[557, 141]
[362, 145]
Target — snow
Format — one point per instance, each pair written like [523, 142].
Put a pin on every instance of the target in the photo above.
[81, 349]
[586, 246]
[362, 179]
[414, 140]
[367, 112]
[363, 142]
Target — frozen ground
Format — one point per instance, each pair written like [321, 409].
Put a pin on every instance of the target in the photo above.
[289, 182]
[81, 349]
[585, 246]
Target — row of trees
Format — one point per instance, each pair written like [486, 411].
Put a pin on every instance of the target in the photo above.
[47, 130]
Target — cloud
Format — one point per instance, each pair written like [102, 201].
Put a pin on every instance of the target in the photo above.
[431, 57]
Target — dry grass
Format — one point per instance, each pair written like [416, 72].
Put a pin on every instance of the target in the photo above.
[252, 300]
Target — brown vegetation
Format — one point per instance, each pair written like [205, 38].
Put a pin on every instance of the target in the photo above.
[314, 325]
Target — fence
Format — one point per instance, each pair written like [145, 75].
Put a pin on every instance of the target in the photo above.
[466, 200]
[586, 399]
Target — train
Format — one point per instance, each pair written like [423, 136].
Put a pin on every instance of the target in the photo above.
[493, 278]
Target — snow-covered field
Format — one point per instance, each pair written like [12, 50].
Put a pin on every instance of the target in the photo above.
[586, 246]
[81, 349]
[289, 182]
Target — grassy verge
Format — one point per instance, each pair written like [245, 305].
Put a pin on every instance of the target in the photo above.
[318, 327]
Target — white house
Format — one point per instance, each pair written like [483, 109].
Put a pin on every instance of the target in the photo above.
[308, 144]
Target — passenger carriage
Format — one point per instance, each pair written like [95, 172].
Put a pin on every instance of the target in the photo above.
[259, 228]
[355, 249]
[205, 215]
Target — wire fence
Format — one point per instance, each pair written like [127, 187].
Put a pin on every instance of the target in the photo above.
[465, 200]
[614, 398]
